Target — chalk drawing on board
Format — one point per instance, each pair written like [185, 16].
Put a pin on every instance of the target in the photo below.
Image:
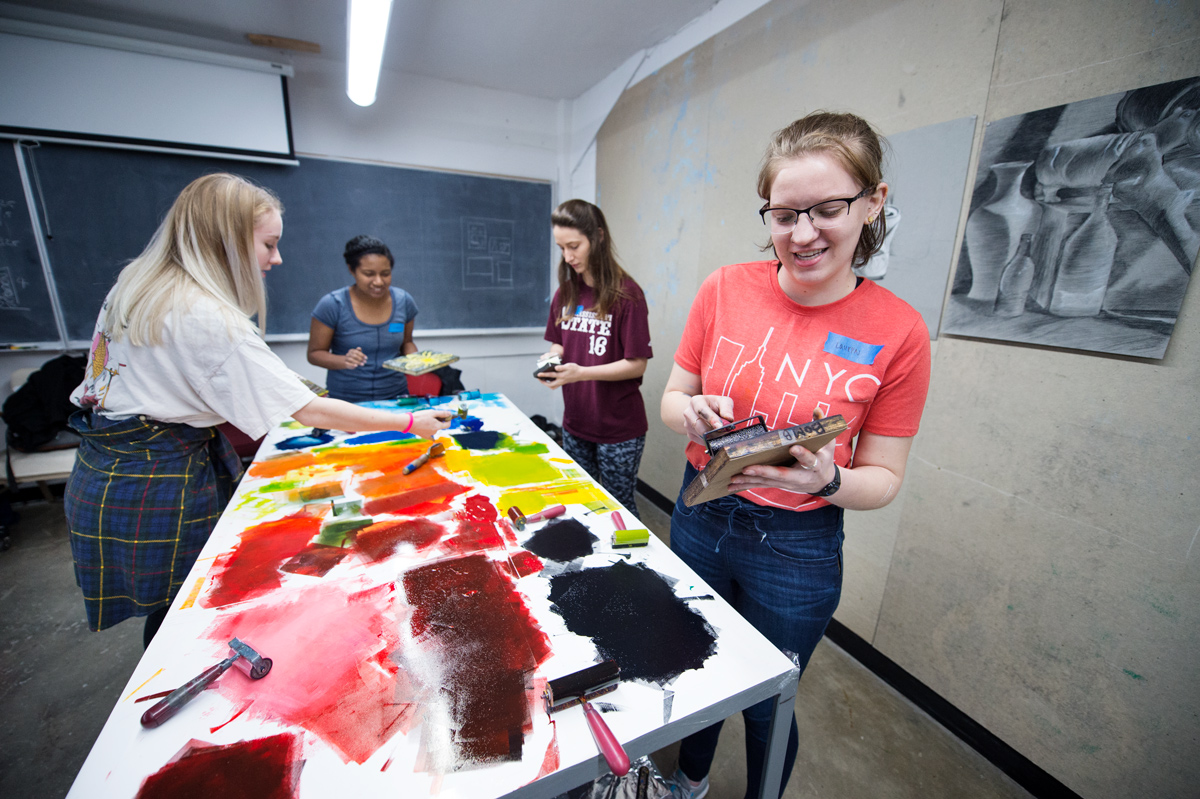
[1084, 224]
[9, 301]
[7, 208]
[487, 253]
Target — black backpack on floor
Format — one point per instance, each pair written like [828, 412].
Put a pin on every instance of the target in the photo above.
[37, 411]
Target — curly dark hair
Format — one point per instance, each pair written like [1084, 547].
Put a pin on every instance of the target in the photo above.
[359, 246]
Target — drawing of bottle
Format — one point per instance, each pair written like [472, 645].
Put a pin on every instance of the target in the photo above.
[1087, 261]
[994, 229]
[1016, 280]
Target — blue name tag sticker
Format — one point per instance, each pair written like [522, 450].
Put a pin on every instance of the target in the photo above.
[852, 350]
[396, 327]
[578, 310]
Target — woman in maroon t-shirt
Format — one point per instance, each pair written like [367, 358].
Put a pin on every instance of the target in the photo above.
[599, 327]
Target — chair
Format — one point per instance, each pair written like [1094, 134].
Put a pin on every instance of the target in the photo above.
[426, 385]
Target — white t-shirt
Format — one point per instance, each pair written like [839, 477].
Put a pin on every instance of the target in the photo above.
[199, 376]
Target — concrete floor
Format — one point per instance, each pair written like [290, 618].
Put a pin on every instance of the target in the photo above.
[58, 682]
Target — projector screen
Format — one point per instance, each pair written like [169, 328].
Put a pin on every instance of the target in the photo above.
[74, 90]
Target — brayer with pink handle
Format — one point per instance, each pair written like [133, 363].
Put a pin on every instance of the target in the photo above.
[519, 519]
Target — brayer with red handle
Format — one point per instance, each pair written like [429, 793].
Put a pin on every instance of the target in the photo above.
[254, 665]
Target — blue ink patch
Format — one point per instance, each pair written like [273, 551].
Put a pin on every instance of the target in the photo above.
[852, 350]
[379, 438]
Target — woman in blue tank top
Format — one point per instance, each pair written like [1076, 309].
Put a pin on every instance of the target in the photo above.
[356, 328]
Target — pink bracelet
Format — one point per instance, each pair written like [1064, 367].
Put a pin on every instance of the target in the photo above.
[412, 417]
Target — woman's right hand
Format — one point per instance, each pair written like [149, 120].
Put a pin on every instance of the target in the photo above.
[354, 358]
[426, 423]
[705, 412]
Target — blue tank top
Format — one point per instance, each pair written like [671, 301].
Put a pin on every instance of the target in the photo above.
[371, 381]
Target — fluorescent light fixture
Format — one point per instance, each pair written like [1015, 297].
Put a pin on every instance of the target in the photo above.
[366, 28]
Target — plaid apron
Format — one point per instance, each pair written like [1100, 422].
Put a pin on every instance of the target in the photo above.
[141, 501]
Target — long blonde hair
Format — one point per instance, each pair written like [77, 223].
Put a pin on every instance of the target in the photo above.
[204, 246]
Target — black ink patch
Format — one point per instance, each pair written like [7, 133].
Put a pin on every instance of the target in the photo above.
[482, 439]
[632, 615]
[562, 540]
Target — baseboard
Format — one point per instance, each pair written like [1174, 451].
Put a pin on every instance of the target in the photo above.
[657, 499]
[1019, 768]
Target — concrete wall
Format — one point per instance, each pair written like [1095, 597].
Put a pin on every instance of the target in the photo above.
[1037, 569]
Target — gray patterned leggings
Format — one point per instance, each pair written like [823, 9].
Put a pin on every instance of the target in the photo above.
[614, 466]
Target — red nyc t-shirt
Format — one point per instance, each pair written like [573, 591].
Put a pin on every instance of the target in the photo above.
[603, 411]
[865, 356]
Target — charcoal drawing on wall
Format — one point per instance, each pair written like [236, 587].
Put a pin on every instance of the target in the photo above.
[1084, 224]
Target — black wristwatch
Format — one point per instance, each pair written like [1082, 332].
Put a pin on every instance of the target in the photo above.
[833, 486]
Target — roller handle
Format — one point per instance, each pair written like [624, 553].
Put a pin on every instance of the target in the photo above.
[548, 513]
[606, 742]
[175, 700]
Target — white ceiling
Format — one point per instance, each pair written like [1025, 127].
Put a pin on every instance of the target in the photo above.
[554, 49]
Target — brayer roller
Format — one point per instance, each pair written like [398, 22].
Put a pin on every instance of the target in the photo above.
[252, 664]
[577, 689]
[520, 520]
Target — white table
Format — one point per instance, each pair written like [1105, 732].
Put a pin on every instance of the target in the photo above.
[744, 670]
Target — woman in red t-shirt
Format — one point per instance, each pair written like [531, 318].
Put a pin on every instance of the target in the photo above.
[599, 327]
[786, 339]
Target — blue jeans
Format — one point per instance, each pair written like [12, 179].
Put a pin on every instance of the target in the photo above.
[780, 569]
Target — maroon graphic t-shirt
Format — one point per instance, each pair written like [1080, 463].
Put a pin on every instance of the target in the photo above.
[603, 411]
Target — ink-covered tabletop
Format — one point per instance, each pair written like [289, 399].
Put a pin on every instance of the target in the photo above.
[413, 628]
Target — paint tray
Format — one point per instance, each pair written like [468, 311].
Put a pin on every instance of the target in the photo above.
[770, 448]
[418, 363]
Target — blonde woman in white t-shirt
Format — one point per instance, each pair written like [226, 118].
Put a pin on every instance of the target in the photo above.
[176, 352]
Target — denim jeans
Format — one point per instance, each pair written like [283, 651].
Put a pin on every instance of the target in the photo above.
[780, 569]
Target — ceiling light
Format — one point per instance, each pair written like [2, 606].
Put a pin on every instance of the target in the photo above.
[366, 28]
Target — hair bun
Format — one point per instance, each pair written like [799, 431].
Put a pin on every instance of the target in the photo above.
[362, 245]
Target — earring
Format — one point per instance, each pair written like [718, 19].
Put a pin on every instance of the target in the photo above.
[870, 220]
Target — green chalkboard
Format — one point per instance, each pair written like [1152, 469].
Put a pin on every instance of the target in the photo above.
[26, 313]
[474, 251]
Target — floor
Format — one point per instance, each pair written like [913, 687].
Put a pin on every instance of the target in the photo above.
[58, 682]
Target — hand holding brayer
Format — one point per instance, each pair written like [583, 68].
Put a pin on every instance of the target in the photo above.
[705, 412]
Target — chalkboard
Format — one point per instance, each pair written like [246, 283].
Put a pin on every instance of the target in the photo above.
[26, 314]
[473, 251]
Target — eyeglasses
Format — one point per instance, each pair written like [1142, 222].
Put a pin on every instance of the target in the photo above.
[822, 216]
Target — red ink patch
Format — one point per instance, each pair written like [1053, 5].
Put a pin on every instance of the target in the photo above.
[315, 560]
[253, 568]
[332, 671]
[381, 540]
[468, 604]
[266, 768]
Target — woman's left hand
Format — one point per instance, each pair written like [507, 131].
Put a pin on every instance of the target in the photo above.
[810, 473]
